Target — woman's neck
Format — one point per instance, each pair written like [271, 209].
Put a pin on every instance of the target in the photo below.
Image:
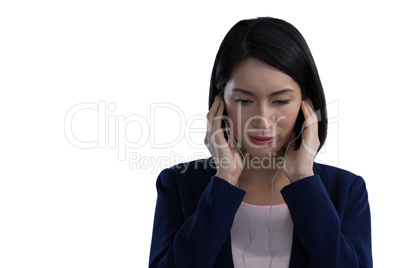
[265, 167]
[259, 187]
[261, 174]
[257, 179]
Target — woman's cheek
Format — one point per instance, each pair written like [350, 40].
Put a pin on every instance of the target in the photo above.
[236, 122]
[289, 121]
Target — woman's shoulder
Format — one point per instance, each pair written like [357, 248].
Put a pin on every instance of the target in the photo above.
[187, 180]
[337, 175]
[189, 172]
[202, 166]
[194, 168]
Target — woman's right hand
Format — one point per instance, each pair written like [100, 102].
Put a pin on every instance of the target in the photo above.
[225, 153]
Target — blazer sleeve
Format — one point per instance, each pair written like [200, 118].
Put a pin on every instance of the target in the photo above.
[197, 240]
[332, 237]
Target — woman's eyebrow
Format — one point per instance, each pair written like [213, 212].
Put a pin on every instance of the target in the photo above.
[272, 94]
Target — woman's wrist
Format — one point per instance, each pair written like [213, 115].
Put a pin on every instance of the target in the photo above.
[297, 177]
[227, 177]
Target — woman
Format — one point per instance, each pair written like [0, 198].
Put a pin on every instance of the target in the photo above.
[261, 200]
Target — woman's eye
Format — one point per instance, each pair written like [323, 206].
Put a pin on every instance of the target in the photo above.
[281, 101]
[242, 101]
[275, 102]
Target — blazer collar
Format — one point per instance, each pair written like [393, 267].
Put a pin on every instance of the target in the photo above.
[316, 168]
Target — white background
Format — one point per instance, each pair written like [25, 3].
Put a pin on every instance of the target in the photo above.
[65, 206]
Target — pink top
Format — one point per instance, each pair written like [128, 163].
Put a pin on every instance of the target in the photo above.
[257, 252]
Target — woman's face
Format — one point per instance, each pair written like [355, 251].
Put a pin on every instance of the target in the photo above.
[261, 101]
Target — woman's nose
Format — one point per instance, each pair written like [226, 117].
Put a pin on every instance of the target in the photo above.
[262, 118]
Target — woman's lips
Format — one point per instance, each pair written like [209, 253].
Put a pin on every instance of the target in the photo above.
[261, 140]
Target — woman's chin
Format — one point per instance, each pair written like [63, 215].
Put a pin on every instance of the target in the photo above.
[265, 152]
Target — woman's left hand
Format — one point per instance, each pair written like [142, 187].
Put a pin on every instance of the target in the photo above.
[298, 164]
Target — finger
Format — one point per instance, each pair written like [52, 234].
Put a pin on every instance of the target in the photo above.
[316, 115]
[313, 113]
[310, 140]
[311, 108]
[212, 112]
[230, 138]
[219, 116]
[217, 131]
[310, 104]
[309, 115]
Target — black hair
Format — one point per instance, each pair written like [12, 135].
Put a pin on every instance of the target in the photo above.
[279, 44]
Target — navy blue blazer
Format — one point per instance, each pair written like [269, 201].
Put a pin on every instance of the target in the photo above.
[195, 211]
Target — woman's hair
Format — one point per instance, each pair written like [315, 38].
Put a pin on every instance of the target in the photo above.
[279, 44]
